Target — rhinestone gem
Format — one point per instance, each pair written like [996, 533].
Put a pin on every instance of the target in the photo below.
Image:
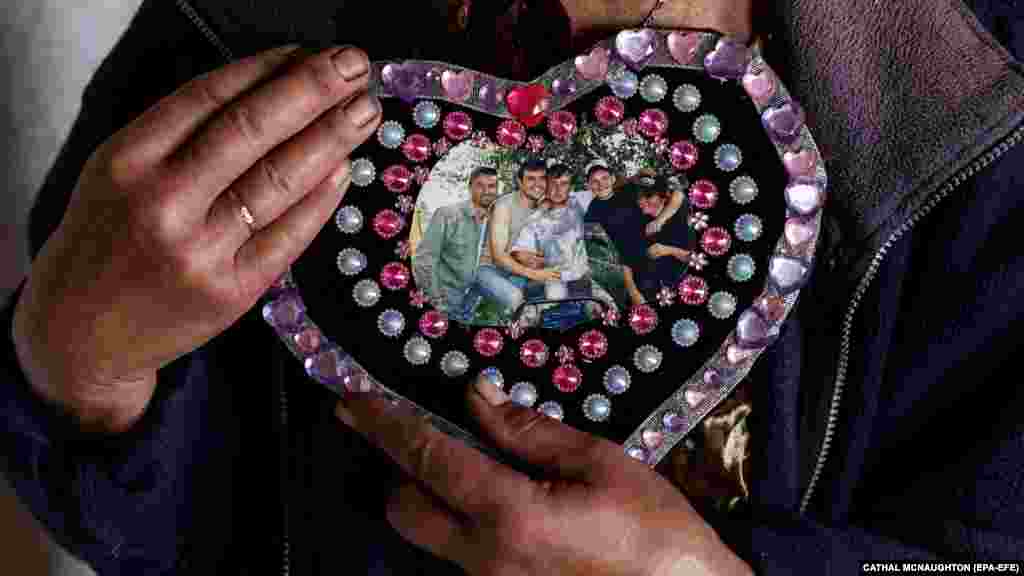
[652, 123]
[534, 353]
[716, 241]
[799, 231]
[643, 319]
[673, 422]
[433, 324]
[307, 341]
[693, 290]
[563, 87]
[561, 124]
[707, 128]
[683, 155]
[426, 114]
[638, 453]
[597, 407]
[551, 409]
[390, 134]
[593, 344]
[728, 157]
[722, 305]
[623, 83]
[492, 376]
[748, 227]
[617, 379]
[804, 196]
[454, 364]
[458, 125]
[743, 190]
[787, 273]
[488, 342]
[652, 438]
[524, 394]
[754, 331]
[647, 358]
[416, 147]
[686, 98]
[286, 313]
[366, 293]
[703, 194]
[349, 220]
[685, 332]
[784, 123]
[388, 223]
[694, 397]
[653, 88]
[741, 268]
[394, 276]
[728, 60]
[567, 378]
[333, 367]
[351, 261]
[511, 134]
[490, 95]
[417, 351]
[771, 306]
[363, 172]
[636, 47]
[391, 323]
[609, 111]
[735, 354]
[397, 178]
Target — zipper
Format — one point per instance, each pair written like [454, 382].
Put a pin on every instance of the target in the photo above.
[190, 12]
[953, 183]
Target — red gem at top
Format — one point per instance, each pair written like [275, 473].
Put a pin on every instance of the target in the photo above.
[693, 290]
[643, 319]
[397, 178]
[567, 378]
[458, 125]
[488, 342]
[609, 111]
[528, 103]
[387, 224]
[593, 344]
[704, 194]
[683, 155]
[394, 276]
[416, 147]
[433, 324]
[716, 241]
[562, 124]
[511, 134]
[534, 353]
[653, 123]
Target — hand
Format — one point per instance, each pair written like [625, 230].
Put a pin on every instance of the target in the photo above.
[595, 511]
[153, 257]
[546, 275]
[658, 250]
[529, 259]
[653, 227]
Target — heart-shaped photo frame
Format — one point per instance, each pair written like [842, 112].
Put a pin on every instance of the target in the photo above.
[613, 243]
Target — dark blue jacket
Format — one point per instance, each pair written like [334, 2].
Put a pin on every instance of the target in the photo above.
[888, 417]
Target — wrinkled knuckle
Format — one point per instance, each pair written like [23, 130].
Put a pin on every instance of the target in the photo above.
[242, 121]
[278, 182]
[520, 422]
[323, 78]
[207, 92]
[119, 165]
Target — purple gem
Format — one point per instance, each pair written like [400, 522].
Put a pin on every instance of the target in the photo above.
[728, 60]
[286, 312]
[673, 423]
[712, 379]
[635, 47]
[787, 274]
[804, 196]
[407, 81]
[784, 122]
[754, 331]
[563, 87]
[490, 97]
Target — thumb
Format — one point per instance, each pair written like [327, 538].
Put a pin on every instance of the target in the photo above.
[542, 441]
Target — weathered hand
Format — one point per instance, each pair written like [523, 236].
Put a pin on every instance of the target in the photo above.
[155, 255]
[546, 275]
[595, 511]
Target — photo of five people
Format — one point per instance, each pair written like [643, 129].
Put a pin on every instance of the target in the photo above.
[550, 253]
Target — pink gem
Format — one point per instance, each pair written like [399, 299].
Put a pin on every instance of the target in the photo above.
[416, 147]
[652, 438]
[442, 146]
[611, 317]
[561, 124]
[457, 85]
[567, 378]
[799, 232]
[307, 341]
[629, 127]
[736, 355]
[458, 125]
[593, 66]
[760, 87]
[704, 194]
[397, 178]
[694, 397]
[534, 353]
[394, 276]
[535, 143]
[773, 307]
[417, 299]
[683, 155]
[421, 174]
[802, 163]
[387, 224]
[716, 241]
[693, 290]
[643, 319]
[511, 134]
[565, 354]
[609, 111]
[488, 342]
[683, 46]
[433, 324]
[653, 123]
[593, 344]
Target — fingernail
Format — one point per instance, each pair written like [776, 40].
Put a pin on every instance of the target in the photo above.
[362, 110]
[494, 395]
[341, 176]
[351, 63]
